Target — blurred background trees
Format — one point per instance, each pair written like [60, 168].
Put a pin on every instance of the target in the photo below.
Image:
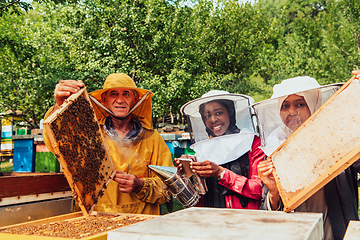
[178, 51]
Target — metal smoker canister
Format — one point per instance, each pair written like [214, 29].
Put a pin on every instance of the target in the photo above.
[180, 186]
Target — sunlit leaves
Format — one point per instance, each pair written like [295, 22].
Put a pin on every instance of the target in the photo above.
[176, 51]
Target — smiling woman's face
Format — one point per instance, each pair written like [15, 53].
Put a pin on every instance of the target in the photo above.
[216, 118]
[294, 111]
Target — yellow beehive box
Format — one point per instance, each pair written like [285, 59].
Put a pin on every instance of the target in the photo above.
[72, 226]
[79, 145]
[321, 148]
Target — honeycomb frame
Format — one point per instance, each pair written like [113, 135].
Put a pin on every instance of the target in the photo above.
[79, 145]
[326, 144]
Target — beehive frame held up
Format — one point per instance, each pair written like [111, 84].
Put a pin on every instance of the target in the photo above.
[321, 148]
[79, 145]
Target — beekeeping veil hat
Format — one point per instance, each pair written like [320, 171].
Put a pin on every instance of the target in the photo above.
[273, 131]
[142, 109]
[236, 141]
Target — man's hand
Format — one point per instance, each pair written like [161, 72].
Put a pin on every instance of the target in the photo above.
[64, 89]
[128, 183]
[206, 168]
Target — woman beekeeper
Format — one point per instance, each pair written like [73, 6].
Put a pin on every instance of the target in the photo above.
[293, 101]
[227, 149]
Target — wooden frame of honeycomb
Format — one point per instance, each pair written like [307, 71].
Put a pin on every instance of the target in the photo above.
[79, 145]
[72, 226]
[321, 148]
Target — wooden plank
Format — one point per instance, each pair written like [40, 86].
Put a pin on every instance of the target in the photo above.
[34, 198]
[321, 148]
[32, 184]
[79, 145]
[47, 220]
[70, 221]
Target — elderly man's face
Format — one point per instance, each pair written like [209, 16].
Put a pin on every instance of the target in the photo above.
[120, 101]
[294, 111]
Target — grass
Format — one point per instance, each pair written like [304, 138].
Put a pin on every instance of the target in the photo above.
[6, 166]
[176, 207]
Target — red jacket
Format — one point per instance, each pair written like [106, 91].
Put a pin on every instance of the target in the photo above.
[249, 187]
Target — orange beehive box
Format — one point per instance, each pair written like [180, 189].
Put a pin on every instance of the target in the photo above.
[78, 144]
[321, 148]
[72, 226]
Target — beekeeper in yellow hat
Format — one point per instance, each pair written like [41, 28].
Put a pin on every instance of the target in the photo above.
[124, 114]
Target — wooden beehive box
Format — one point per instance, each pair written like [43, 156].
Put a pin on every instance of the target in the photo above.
[72, 226]
[78, 144]
[321, 148]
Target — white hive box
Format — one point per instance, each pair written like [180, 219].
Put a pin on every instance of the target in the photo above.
[216, 223]
[321, 148]
[352, 231]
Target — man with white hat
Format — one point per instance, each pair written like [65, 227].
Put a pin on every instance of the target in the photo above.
[125, 117]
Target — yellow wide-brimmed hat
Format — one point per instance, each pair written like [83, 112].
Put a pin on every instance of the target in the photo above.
[118, 80]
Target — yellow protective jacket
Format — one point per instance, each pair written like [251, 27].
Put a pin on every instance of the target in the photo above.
[151, 150]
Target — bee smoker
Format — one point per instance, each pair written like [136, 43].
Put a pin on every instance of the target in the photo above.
[180, 186]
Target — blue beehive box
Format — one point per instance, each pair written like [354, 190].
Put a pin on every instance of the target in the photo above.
[175, 151]
[24, 155]
[172, 149]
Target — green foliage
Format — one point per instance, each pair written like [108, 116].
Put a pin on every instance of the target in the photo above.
[315, 39]
[6, 167]
[13, 7]
[176, 51]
